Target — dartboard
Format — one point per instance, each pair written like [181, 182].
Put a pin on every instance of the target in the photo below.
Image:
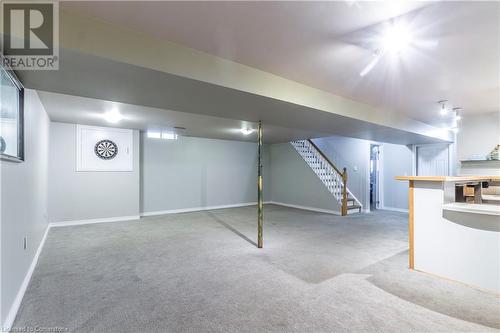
[106, 149]
[3, 145]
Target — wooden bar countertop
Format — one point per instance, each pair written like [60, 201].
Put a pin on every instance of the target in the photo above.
[448, 178]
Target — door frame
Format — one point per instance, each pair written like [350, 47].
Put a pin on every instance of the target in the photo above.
[415, 157]
[380, 176]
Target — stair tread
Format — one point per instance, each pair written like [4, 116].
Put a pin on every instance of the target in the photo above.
[353, 207]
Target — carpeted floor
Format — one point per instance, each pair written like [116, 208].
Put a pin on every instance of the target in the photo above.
[201, 272]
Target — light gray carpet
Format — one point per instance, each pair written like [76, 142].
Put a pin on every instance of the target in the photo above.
[200, 272]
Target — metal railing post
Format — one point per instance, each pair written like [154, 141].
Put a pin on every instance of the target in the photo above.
[344, 192]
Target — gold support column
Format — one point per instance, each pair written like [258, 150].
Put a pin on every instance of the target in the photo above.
[260, 208]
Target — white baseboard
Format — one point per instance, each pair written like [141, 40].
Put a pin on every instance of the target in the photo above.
[314, 209]
[11, 316]
[91, 221]
[197, 209]
[394, 209]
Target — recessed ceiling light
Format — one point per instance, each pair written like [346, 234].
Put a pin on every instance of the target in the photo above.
[113, 116]
[246, 131]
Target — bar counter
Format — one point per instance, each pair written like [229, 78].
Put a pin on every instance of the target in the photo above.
[455, 240]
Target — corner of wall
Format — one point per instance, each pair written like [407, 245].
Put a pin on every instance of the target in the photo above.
[25, 211]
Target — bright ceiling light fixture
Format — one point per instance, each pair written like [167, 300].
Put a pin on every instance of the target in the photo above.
[246, 131]
[457, 110]
[443, 109]
[113, 116]
[396, 39]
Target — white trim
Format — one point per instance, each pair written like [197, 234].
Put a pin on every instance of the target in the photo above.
[381, 179]
[413, 160]
[197, 209]
[91, 221]
[11, 316]
[394, 209]
[314, 209]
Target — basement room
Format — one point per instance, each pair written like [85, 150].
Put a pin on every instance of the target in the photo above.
[250, 166]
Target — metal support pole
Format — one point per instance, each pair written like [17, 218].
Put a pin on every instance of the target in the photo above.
[260, 208]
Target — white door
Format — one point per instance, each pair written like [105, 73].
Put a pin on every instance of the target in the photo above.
[433, 160]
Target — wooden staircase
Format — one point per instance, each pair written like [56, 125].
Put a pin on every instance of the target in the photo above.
[331, 176]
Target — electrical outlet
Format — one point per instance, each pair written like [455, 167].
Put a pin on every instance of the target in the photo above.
[25, 242]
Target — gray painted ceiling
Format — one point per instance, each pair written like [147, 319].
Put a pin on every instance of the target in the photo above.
[90, 111]
[150, 91]
[317, 43]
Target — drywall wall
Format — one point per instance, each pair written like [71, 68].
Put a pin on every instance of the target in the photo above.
[396, 160]
[293, 182]
[353, 154]
[478, 135]
[75, 196]
[23, 204]
[195, 173]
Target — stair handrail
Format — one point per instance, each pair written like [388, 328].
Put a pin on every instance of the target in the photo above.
[326, 158]
[342, 174]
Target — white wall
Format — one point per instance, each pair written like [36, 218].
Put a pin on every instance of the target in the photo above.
[354, 154]
[293, 182]
[478, 135]
[191, 173]
[75, 196]
[23, 204]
